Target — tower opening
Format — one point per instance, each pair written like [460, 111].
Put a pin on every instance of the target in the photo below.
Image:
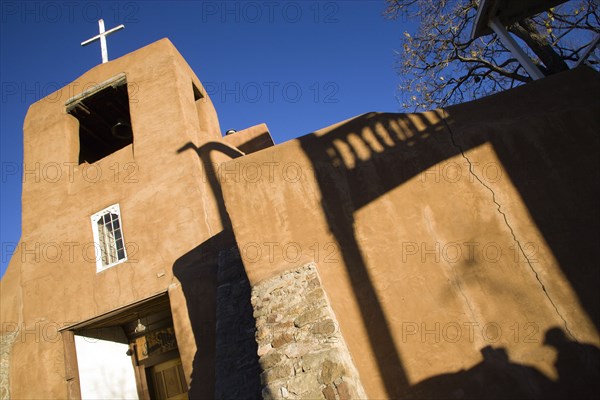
[104, 119]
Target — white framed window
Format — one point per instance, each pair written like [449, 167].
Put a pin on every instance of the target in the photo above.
[108, 238]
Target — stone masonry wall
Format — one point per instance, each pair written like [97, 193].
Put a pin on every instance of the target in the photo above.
[237, 369]
[302, 352]
[6, 342]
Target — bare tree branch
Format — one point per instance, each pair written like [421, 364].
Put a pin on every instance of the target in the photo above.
[440, 64]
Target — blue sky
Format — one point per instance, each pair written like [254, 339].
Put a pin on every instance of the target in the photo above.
[295, 65]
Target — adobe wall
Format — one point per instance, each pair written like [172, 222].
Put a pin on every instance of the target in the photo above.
[447, 242]
[167, 210]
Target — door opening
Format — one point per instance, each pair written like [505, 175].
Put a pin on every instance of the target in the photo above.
[131, 353]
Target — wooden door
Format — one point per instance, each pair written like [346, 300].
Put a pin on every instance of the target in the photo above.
[169, 381]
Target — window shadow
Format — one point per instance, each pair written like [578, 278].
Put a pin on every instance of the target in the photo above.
[352, 170]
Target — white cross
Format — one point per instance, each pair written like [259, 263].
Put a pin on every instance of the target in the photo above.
[102, 36]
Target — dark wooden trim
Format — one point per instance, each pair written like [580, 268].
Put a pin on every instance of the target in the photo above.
[71, 367]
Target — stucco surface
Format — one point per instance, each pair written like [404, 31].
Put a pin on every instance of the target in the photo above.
[448, 243]
[440, 234]
[166, 211]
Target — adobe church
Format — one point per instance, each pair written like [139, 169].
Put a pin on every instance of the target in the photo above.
[451, 253]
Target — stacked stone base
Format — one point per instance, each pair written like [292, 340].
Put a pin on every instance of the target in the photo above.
[302, 352]
[6, 342]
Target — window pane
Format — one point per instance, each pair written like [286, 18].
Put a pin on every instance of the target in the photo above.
[110, 237]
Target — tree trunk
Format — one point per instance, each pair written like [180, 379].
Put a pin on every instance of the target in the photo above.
[526, 31]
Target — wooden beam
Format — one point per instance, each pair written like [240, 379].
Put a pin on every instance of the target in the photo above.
[71, 367]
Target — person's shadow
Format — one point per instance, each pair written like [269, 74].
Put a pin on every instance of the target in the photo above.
[496, 377]
[577, 365]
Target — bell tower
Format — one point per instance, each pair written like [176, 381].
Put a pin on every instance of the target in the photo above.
[111, 201]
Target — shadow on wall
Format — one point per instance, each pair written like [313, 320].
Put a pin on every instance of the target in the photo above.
[352, 165]
[217, 294]
[205, 153]
[366, 157]
[362, 159]
[197, 272]
[496, 377]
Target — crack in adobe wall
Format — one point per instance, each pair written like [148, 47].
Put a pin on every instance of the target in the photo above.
[537, 277]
